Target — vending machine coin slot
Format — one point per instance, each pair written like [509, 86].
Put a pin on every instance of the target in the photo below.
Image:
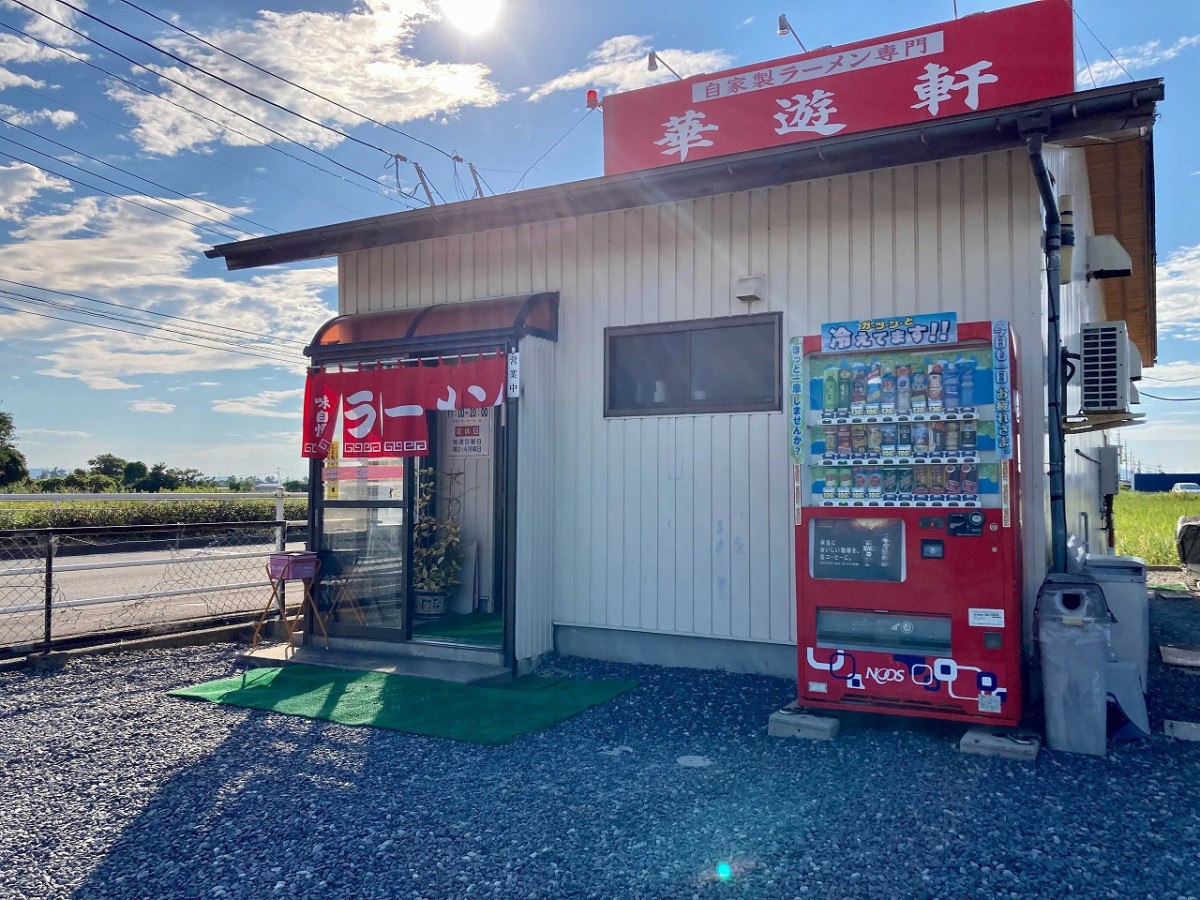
[965, 524]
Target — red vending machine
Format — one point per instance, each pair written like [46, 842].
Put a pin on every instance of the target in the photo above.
[906, 463]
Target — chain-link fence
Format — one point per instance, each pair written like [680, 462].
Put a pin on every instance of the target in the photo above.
[64, 585]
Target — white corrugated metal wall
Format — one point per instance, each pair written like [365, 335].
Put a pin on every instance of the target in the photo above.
[682, 524]
[537, 544]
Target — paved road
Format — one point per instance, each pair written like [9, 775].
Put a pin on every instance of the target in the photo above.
[200, 572]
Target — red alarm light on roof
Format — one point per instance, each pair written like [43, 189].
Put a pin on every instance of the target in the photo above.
[593, 99]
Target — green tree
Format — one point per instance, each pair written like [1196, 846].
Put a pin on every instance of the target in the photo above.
[160, 478]
[13, 467]
[134, 472]
[296, 484]
[90, 483]
[109, 465]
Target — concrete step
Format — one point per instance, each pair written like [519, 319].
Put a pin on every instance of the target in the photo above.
[396, 663]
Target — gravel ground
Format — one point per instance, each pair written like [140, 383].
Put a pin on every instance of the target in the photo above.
[112, 789]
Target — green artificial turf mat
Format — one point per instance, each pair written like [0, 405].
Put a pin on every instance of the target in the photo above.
[480, 715]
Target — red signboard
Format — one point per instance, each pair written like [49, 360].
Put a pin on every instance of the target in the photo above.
[980, 62]
[383, 410]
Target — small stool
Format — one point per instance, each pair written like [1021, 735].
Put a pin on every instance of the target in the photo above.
[299, 566]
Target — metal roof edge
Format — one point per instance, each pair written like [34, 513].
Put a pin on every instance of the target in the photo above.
[1102, 110]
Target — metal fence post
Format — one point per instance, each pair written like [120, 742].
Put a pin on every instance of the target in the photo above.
[281, 531]
[47, 634]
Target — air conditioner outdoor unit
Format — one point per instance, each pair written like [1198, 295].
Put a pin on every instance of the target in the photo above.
[1108, 363]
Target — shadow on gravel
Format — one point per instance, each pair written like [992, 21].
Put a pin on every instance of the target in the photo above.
[645, 797]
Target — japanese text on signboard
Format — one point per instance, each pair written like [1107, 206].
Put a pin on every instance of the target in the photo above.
[967, 65]
[383, 409]
[1005, 396]
[891, 333]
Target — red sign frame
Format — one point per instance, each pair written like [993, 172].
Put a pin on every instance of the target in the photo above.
[980, 62]
[383, 409]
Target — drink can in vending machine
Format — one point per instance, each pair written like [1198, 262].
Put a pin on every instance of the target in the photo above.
[903, 389]
[887, 401]
[969, 479]
[937, 480]
[920, 480]
[966, 382]
[874, 440]
[858, 440]
[920, 439]
[890, 434]
[953, 485]
[844, 444]
[874, 484]
[891, 483]
[904, 445]
[953, 435]
[937, 437]
[968, 438]
[831, 440]
[845, 388]
[920, 382]
[904, 481]
[858, 482]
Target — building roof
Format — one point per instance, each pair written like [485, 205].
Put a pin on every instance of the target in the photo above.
[1104, 117]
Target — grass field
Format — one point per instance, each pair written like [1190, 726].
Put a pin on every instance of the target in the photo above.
[1145, 525]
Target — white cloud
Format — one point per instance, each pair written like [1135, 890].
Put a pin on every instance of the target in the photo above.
[20, 183]
[1178, 288]
[1169, 376]
[59, 118]
[261, 405]
[151, 406]
[1133, 59]
[56, 433]
[357, 59]
[619, 64]
[112, 251]
[50, 31]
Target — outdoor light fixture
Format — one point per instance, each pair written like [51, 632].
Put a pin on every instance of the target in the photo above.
[785, 28]
[653, 61]
[593, 99]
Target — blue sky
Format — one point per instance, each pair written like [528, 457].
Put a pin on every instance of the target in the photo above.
[499, 99]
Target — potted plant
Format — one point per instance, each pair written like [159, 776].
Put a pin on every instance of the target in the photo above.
[437, 554]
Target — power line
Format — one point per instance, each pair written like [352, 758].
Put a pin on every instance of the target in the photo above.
[1120, 65]
[101, 190]
[188, 150]
[216, 77]
[1167, 380]
[128, 188]
[258, 68]
[223, 349]
[151, 312]
[547, 153]
[129, 320]
[161, 187]
[1170, 399]
[192, 112]
[217, 103]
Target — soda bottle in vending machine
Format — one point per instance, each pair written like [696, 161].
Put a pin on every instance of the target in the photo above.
[950, 385]
[845, 477]
[966, 379]
[904, 445]
[829, 397]
[845, 390]
[903, 389]
[953, 436]
[920, 439]
[858, 397]
[874, 397]
[858, 483]
[890, 433]
[831, 441]
[935, 393]
[968, 440]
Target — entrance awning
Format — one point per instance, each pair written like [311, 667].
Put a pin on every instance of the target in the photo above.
[444, 328]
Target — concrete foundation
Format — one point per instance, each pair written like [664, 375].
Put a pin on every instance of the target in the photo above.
[792, 722]
[1006, 743]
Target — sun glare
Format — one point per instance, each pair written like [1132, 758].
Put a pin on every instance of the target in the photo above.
[471, 16]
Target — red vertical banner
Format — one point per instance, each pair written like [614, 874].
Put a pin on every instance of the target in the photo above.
[383, 410]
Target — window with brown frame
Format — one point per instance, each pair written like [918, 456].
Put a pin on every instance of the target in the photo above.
[731, 364]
